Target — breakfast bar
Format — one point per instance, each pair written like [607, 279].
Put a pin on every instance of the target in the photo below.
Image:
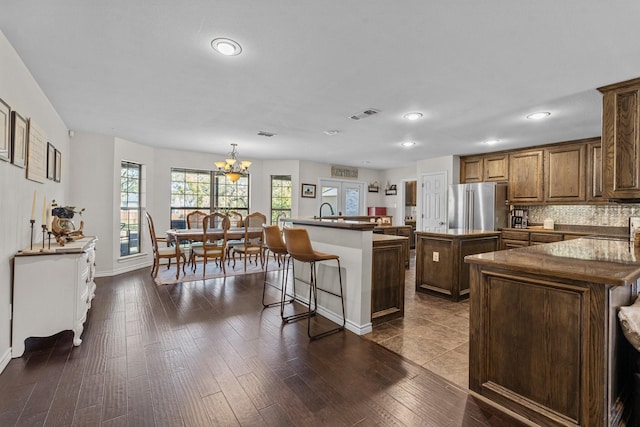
[366, 297]
[544, 336]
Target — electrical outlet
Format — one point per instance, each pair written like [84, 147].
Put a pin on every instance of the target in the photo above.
[436, 256]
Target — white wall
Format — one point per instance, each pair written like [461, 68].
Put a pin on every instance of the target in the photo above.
[19, 89]
[395, 204]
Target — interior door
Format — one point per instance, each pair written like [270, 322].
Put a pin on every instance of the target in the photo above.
[345, 197]
[434, 202]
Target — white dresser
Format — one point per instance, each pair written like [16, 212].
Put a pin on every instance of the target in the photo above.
[52, 291]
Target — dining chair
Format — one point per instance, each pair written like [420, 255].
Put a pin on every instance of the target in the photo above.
[235, 220]
[162, 252]
[194, 221]
[213, 245]
[253, 241]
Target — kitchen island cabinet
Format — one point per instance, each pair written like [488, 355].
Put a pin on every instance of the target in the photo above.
[387, 278]
[440, 267]
[397, 230]
[544, 336]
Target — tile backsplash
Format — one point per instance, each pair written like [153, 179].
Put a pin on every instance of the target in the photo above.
[605, 215]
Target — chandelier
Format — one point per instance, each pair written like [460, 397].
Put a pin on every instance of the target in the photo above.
[233, 168]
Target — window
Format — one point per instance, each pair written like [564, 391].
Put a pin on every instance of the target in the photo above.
[190, 191]
[280, 196]
[202, 190]
[232, 196]
[130, 208]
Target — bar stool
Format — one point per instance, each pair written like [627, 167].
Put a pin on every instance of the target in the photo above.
[300, 249]
[276, 246]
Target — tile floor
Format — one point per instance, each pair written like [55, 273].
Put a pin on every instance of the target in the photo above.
[433, 333]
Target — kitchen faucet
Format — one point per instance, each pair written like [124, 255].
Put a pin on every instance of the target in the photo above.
[330, 208]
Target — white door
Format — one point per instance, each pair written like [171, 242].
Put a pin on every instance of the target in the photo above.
[345, 197]
[434, 202]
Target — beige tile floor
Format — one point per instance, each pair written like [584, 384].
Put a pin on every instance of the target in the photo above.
[433, 333]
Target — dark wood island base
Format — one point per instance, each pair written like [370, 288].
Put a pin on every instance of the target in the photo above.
[544, 336]
[440, 266]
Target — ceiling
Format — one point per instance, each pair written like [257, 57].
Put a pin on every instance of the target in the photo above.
[145, 71]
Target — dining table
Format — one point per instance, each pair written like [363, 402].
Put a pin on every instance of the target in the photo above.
[175, 236]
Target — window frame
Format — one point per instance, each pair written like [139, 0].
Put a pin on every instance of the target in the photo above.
[218, 186]
[275, 210]
[125, 227]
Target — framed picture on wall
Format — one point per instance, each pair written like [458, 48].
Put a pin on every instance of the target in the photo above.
[58, 165]
[51, 161]
[19, 136]
[309, 190]
[5, 131]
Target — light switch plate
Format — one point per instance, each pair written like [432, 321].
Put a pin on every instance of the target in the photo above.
[436, 256]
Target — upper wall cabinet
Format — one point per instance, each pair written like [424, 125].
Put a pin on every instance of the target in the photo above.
[496, 167]
[594, 171]
[564, 171]
[489, 167]
[526, 177]
[471, 169]
[621, 140]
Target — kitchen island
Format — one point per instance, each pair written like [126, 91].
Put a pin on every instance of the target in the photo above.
[544, 336]
[372, 271]
[440, 267]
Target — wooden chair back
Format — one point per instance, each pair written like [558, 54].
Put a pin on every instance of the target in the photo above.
[235, 219]
[195, 219]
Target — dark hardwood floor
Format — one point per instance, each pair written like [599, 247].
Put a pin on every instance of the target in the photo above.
[206, 353]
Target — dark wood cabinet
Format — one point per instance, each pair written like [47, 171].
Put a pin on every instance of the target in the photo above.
[472, 169]
[397, 230]
[545, 341]
[440, 266]
[564, 171]
[387, 277]
[496, 167]
[526, 181]
[594, 171]
[410, 193]
[516, 238]
[491, 167]
[621, 140]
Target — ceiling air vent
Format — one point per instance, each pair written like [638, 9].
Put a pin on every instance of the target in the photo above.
[365, 113]
[267, 134]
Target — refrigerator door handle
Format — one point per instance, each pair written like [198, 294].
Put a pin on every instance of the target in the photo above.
[471, 215]
[465, 211]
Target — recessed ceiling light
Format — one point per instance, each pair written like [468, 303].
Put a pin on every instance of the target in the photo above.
[539, 115]
[413, 116]
[492, 141]
[331, 132]
[365, 162]
[408, 144]
[226, 47]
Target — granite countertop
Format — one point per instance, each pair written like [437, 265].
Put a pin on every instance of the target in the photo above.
[333, 223]
[459, 232]
[612, 261]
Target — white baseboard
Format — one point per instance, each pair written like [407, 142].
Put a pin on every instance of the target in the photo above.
[5, 359]
[336, 318]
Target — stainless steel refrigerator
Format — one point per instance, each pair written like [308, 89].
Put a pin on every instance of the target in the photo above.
[478, 206]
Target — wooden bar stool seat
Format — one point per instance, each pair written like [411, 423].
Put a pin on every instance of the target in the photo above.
[300, 249]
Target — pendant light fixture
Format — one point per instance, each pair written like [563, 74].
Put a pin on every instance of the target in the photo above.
[233, 168]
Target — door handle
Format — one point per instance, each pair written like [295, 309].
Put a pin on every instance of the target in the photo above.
[441, 223]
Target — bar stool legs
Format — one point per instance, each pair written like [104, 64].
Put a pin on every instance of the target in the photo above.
[300, 249]
[283, 284]
[313, 289]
